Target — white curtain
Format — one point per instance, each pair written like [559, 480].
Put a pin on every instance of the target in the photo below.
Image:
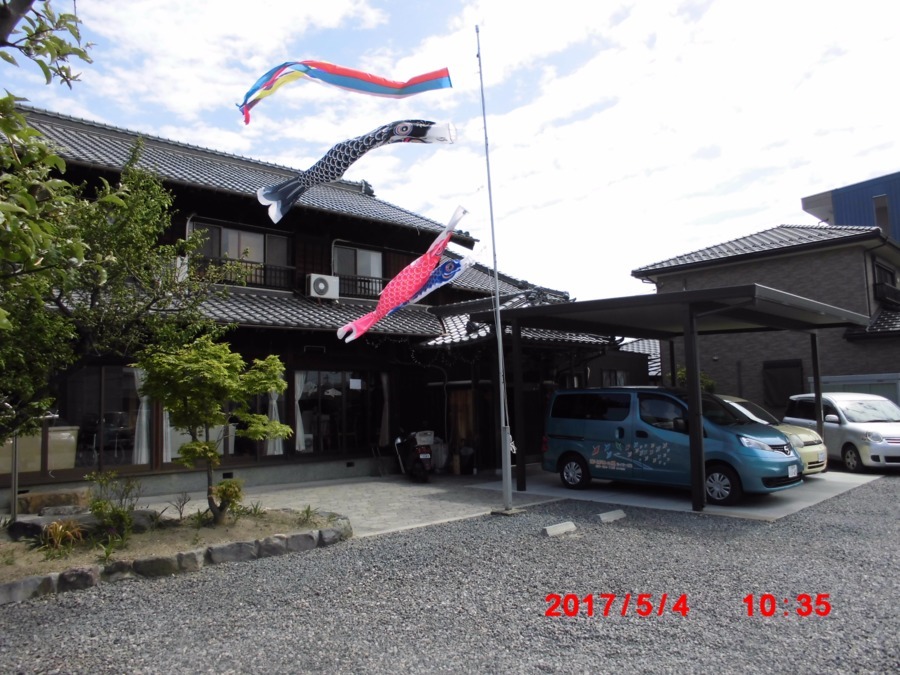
[384, 438]
[300, 432]
[140, 454]
[274, 445]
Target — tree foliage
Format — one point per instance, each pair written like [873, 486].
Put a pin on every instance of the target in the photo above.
[131, 290]
[37, 32]
[39, 246]
[203, 384]
[80, 274]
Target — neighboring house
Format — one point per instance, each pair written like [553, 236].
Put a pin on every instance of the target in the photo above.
[854, 268]
[873, 202]
[651, 349]
[321, 266]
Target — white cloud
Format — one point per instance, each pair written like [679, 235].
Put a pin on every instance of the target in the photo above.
[620, 135]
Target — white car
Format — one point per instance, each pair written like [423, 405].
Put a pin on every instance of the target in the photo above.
[862, 430]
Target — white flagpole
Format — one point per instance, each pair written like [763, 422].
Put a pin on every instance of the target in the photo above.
[506, 464]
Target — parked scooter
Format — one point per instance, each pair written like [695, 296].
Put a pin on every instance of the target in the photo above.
[414, 454]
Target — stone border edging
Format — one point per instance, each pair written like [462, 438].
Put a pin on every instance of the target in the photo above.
[80, 578]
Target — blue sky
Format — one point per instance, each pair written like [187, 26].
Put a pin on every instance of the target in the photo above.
[620, 133]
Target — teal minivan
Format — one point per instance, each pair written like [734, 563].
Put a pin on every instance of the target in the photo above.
[640, 434]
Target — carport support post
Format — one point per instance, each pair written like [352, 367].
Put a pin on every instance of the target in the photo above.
[817, 383]
[695, 410]
[519, 405]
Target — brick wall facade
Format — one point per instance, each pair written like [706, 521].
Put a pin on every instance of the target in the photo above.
[840, 277]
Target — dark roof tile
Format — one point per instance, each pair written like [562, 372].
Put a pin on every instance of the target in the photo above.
[101, 146]
[778, 238]
[273, 309]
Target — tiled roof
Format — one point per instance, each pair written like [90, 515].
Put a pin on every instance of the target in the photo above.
[459, 329]
[98, 146]
[886, 323]
[282, 309]
[776, 239]
[647, 346]
[109, 148]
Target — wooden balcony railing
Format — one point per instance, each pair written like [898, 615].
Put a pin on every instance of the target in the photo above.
[259, 275]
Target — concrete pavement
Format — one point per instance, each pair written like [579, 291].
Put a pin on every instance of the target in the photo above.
[391, 503]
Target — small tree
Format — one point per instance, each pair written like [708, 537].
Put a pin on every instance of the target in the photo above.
[203, 385]
[707, 384]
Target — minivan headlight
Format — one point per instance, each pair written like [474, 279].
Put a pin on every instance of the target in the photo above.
[754, 443]
[874, 437]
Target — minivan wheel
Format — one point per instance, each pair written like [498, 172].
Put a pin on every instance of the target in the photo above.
[574, 472]
[851, 458]
[723, 486]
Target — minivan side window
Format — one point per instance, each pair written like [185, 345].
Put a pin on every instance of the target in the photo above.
[587, 406]
[661, 411]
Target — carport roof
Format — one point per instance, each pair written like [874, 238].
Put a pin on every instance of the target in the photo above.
[728, 309]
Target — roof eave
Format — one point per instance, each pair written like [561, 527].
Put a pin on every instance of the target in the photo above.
[651, 273]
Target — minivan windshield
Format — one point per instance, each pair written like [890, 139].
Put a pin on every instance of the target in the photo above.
[754, 411]
[870, 410]
[716, 411]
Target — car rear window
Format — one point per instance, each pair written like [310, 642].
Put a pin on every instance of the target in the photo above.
[804, 410]
[591, 406]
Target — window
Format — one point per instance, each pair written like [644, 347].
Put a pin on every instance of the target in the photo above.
[266, 256]
[662, 412]
[339, 411]
[885, 275]
[608, 407]
[110, 421]
[360, 271]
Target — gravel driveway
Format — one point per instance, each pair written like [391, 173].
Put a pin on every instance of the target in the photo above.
[470, 597]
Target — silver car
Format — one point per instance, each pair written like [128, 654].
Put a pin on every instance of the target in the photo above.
[862, 430]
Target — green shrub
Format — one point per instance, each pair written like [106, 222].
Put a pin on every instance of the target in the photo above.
[112, 502]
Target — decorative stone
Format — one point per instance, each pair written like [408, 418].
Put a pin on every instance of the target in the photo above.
[34, 502]
[78, 578]
[271, 546]
[116, 570]
[24, 529]
[238, 551]
[610, 516]
[29, 587]
[343, 526]
[559, 528]
[144, 520]
[191, 561]
[62, 510]
[302, 541]
[158, 566]
[329, 536]
[188, 561]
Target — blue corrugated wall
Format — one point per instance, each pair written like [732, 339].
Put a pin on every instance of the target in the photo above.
[853, 204]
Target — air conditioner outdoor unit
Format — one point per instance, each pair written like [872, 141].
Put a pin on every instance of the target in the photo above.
[324, 286]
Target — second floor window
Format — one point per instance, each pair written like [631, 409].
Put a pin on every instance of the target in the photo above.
[885, 275]
[266, 255]
[359, 269]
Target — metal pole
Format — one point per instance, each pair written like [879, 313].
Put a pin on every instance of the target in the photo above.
[506, 463]
[14, 480]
